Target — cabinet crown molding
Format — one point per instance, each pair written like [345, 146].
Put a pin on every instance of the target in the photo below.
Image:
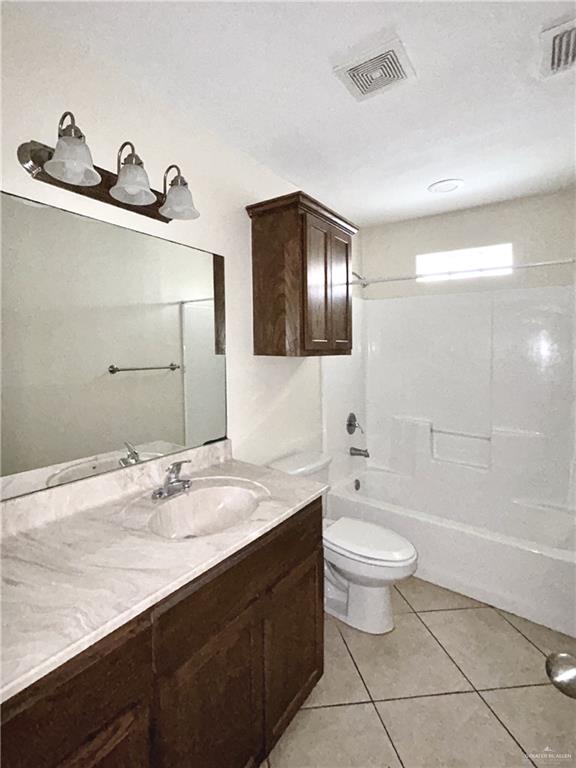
[306, 204]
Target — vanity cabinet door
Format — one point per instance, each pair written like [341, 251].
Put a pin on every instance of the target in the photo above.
[210, 709]
[293, 643]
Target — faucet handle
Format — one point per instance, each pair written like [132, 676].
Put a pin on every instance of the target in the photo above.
[175, 468]
[352, 424]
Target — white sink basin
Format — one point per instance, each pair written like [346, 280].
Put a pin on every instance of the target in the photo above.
[83, 469]
[210, 506]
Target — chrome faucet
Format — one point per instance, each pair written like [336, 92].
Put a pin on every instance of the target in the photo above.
[360, 452]
[173, 483]
[133, 456]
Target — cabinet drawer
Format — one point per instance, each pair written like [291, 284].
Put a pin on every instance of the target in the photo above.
[188, 619]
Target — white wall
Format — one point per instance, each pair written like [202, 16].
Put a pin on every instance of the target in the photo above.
[542, 227]
[273, 403]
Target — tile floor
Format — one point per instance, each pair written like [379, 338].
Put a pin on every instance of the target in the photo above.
[457, 684]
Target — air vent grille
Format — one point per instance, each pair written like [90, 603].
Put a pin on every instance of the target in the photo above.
[377, 73]
[375, 70]
[558, 48]
[563, 50]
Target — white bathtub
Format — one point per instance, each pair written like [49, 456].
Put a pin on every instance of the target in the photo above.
[534, 579]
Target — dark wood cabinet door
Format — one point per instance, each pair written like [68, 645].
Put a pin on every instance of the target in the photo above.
[210, 709]
[317, 329]
[340, 300]
[293, 643]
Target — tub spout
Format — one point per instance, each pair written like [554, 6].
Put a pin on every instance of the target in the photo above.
[360, 452]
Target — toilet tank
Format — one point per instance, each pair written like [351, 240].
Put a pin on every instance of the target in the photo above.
[310, 464]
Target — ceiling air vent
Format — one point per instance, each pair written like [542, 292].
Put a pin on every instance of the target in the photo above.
[376, 70]
[558, 48]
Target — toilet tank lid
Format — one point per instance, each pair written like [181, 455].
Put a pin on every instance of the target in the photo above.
[302, 462]
[368, 540]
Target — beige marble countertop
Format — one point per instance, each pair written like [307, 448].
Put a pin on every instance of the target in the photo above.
[74, 580]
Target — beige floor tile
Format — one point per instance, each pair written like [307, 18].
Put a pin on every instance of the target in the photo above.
[399, 605]
[490, 652]
[454, 731]
[424, 596]
[341, 683]
[404, 662]
[335, 737]
[546, 639]
[542, 719]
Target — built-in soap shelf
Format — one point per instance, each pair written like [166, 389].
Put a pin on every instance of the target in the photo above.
[463, 448]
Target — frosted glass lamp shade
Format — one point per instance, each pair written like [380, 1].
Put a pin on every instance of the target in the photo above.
[179, 203]
[72, 163]
[132, 186]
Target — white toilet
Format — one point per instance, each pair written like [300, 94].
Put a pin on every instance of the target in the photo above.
[361, 560]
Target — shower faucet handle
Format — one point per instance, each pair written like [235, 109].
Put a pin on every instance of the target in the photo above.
[352, 424]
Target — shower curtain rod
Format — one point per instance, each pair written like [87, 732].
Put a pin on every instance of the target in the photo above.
[366, 281]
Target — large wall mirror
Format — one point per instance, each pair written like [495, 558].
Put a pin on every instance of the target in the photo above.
[80, 299]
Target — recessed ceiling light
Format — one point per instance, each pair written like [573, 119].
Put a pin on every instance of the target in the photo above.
[446, 185]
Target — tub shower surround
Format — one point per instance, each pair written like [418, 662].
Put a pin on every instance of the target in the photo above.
[76, 567]
[470, 428]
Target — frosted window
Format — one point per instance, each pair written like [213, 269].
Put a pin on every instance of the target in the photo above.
[485, 261]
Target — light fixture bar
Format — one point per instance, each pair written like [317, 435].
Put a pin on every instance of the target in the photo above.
[33, 154]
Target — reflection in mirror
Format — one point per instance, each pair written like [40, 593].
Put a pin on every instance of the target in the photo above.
[81, 298]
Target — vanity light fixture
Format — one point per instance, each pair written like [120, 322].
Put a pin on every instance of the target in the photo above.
[178, 203]
[69, 166]
[72, 161]
[132, 185]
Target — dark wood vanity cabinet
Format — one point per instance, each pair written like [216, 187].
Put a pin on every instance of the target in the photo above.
[301, 262]
[93, 712]
[210, 677]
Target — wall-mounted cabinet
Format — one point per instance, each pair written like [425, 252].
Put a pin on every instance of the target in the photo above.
[301, 264]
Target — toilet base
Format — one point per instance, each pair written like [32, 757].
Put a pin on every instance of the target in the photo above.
[368, 609]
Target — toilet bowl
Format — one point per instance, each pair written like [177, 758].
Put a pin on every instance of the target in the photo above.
[361, 560]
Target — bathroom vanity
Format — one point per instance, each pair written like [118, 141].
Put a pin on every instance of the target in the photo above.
[148, 618]
[210, 674]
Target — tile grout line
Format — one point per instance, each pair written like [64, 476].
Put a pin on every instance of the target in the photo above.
[339, 704]
[456, 693]
[378, 715]
[513, 687]
[463, 608]
[475, 690]
[422, 696]
[520, 632]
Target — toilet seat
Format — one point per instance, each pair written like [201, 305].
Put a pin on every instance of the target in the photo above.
[368, 543]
